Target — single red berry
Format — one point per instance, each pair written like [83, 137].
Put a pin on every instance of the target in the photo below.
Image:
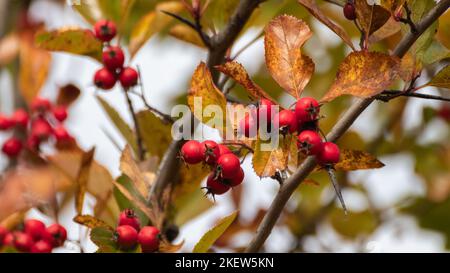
[309, 142]
[228, 166]
[215, 185]
[349, 11]
[104, 79]
[23, 241]
[41, 129]
[192, 152]
[12, 147]
[237, 179]
[61, 134]
[127, 237]
[128, 217]
[55, 234]
[113, 58]
[9, 239]
[224, 149]
[148, 238]
[60, 113]
[287, 121]
[444, 112]
[32, 143]
[210, 150]
[40, 105]
[34, 228]
[248, 126]
[3, 233]
[21, 118]
[128, 77]
[329, 154]
[5, 123]
[105, 30]
[307, 109]
[265, 107]
[41, 247]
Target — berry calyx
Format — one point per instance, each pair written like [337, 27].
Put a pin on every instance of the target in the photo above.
[215, 185]
[191, 152]
[22, 241]
[41, 129]
[210, 150]
[309, 142]
[307, 109]
[126, 236]
[237, 179]
[128, 77]
[12, 147]
[329, 154]
[105, 30]
[41, 247]
[60, 113]
[40, 105]
[224, 150]
[34, 228]
[349, 11]
[113, 58]
[5, 123]
[55, 234]
[104, 79]
[148, 238]
[287, 121]
[228, 166]
[128, 217]
[20, 118]
[248, 126]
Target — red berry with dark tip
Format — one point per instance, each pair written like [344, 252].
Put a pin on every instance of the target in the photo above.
[210, 150]
[228, 165]
[113, 58]
[34, 228]
[215, 185]
[192, 152]
[12, 147]
[329, 154]
[104, 79]
[128, 217]
[127, 237]
[105, 30]
[55, 234]
[5, 123]
[21, 118]
[248, 126]
[148, 238]
[287, 120]
[265, 107]
[128, 77]
[40, 105]
[60, 113]
[61, 135]
[309, 142]
[3, 233]
[41, 129]
[23, 241]
[224, 150]
[41, 247]
[237, 179]
[307, 109]
[349, 11]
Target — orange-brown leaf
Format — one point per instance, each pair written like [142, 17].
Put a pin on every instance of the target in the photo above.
[90, 221]
[352, 160]
[371, 17]
[364, 74]
[267, 162]
[284, 38]
[83, 178]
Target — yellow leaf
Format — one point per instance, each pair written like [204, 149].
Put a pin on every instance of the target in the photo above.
[154, 130]
[213, 234]
[268, 160]
[129, 167]
[353, 224]
[364, 74]
[166, 247]
[186, 34]
[442, 78]
[285, 35]
[88, 9]
[90, 221]
[82, 179]
[352, 160]
[371, 17]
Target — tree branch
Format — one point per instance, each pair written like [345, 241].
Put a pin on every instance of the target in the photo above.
[338, 130]
[388, 95]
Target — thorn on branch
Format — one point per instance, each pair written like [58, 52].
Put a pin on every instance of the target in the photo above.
[337, 188]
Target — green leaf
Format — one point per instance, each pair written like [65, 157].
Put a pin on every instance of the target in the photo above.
[75, 41]
[213, 234]
[154, 131]
[442, 78]
[353, 224]
[190, 206]
[434, 53]
[103, 237]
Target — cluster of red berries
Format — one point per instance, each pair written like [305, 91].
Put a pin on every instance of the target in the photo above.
[129, 233]
[34, 237]
[31, 129]
[226, 166]
[113, 60]
[349, 10]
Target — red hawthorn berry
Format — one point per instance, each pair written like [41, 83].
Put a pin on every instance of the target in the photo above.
[5, 123]
[128, 77]
[349, 11]
[128, 217]
[210, 150]
[444, 112]
[3, 233]
[287, 121]
[41, 129]
[55, 234]
[309, 142]
[104, 79]
[113, 58]
[22, 241]
[21, 118]
[41, 247]
[148, 238]
[215, 186]
[105, 30]
[228, 166]
[237, 179]
[224, 150]
[34, 228]
[191, 152]
[264, 105]
[32, 143]
[126, 236]
[61, 134]
[40, 105]
[248, 126]
[329, 154]
[9, 239]
[60, 113]
[12, 147]
[307, 109]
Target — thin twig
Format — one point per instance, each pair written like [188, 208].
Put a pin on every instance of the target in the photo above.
[140, 143]
[388, 95]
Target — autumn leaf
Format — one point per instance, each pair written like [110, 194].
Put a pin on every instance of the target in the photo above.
[364, 74]
[9, 48]
[441, 79]
[312, 7]
[130, 168]
[213, 234]
[390, 28]
[89, 10]
[354, 224]
[166, 247]
[409, 67]
[187, 34]
[76, 41]
[370, 17]
[268, 160]
[203, 89]
[285, 35]
[90, 222]
[83, 179]
[352, 160]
